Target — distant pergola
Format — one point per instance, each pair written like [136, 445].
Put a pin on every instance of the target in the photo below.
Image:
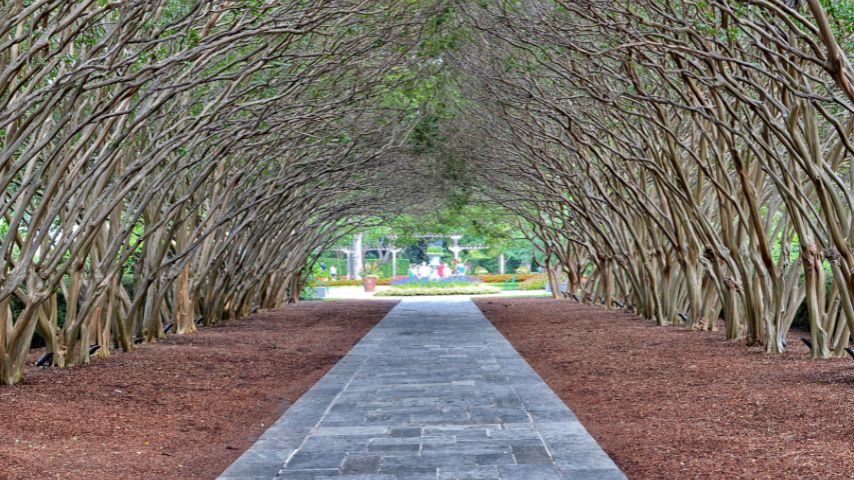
[391, 248]
[456, 249]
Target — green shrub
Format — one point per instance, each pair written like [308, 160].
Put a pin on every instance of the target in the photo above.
[371, 269]
[411, 292]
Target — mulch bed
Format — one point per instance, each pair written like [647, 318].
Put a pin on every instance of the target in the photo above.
[666, 402]
[183, 408]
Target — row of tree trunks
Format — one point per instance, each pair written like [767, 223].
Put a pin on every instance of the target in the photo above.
[168, 164]
[695, 158]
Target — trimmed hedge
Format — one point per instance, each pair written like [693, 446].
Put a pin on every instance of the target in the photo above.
[338, 283]
[402, 267]
[348, 283]
[385, 267]
[411, 292]
[340, 263]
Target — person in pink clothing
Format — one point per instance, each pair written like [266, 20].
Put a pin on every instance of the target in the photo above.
[442, 270]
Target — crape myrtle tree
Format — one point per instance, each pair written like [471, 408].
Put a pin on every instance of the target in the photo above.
[688, 158]
[176, 161]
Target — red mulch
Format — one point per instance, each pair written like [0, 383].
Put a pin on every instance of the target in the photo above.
[666, 402]
[183, 408]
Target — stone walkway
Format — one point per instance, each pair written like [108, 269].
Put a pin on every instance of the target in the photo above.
[432, 392]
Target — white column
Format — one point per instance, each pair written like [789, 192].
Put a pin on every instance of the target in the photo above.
[501, 264]
[394, 261]
[349, 265]
[356, 256]
[456, 246]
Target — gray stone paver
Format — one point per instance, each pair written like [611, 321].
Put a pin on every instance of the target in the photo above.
[432, 392]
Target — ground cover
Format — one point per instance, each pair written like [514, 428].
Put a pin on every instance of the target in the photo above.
[183, 408]
[504, 277]
[462, 285]
[667, 403]
[501, 285]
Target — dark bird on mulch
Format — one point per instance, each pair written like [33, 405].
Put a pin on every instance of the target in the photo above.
[168, 327]
[93, 348]
[807, 342]
[850, 351]
[45, 360]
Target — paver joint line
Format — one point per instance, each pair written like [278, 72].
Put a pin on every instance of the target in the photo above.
[432, 391]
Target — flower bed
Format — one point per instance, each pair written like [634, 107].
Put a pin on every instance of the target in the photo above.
[485, 278]
[447, 282]
[417, 291]
[535, 282]
[504, 277]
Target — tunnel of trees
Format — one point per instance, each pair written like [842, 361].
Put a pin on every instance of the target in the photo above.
[181, 162]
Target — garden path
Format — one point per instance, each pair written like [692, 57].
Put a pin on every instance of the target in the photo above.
[432, 392]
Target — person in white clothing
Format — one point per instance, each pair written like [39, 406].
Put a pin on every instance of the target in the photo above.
[424, 270]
